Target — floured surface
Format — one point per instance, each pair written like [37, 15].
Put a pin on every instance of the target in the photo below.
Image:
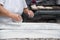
[30, 30]
[5, 34]
[31, 26]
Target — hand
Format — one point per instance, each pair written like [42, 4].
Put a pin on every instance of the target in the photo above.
[16, 17]
[30, 14]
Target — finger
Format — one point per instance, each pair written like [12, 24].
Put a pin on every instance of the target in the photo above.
[20, 18]
[32, 15]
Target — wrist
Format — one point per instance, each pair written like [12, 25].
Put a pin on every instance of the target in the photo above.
[26, 10]
[10, 15]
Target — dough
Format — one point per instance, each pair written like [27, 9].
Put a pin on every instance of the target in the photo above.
[34, 7]
[48, 8]
[41, 7]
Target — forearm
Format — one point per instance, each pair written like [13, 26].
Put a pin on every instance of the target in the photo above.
[4, 12]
